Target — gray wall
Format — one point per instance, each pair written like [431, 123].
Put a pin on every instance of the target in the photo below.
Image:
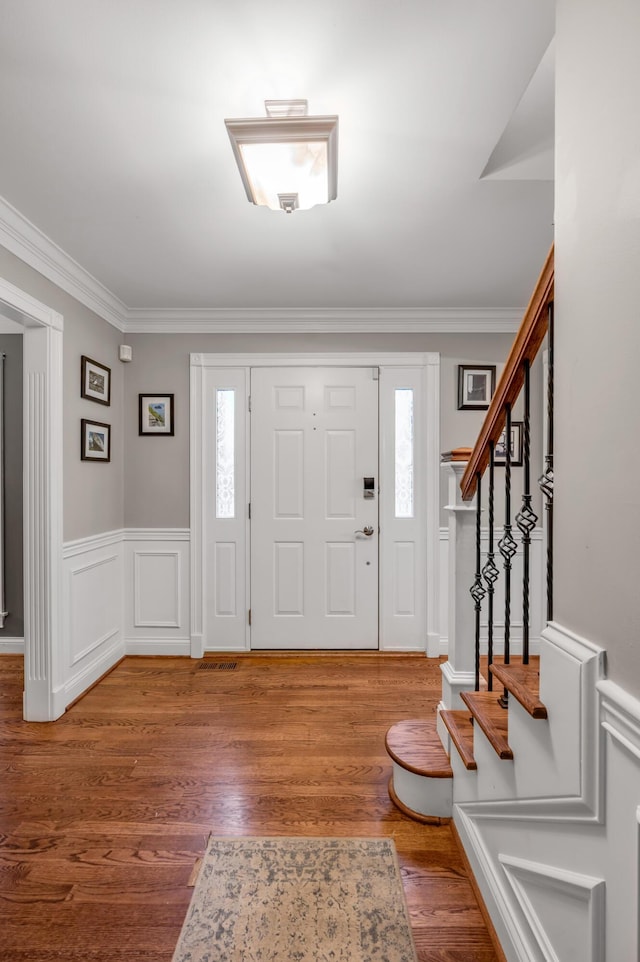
[11, 346]
[157, 468]
[93, 492]
[597, 222]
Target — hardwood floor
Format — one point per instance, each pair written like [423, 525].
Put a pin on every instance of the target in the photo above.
[104, 813]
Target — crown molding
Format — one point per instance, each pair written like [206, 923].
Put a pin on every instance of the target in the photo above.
[325, 321]
[26, 241]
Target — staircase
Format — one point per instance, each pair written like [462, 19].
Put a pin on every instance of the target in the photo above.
[421, 783]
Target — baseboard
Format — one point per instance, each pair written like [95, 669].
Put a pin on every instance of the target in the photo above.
[157, 646]
[11, 646]
[77, 685]
[493, 935]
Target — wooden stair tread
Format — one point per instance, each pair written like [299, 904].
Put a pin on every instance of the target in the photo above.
[493, 719]
[415, 745]
[460, 727]
[523, 681]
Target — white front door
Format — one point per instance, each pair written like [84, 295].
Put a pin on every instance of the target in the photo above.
[314, 532]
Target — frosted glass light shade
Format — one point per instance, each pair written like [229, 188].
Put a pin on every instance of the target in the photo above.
[287, 163]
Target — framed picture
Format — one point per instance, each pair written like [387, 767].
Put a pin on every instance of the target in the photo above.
[155, 414]
[95, 381]
[475, 386]
[95, 441]
[500, 450]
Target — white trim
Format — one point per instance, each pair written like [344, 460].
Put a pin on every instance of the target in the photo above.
[42, 489]
[31, 245]
[429, 362]
[524, 875]
[620, 716]
[138, 621]
[342, 320]
[11, 646]
[158, 647]
[81, 546]
[311, 359]
[27, 242]
[156, 534]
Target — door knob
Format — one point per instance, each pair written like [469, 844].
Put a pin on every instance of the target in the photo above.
[367, 530]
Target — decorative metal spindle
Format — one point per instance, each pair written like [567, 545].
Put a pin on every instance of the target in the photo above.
[546, 481]
[508, 548]
[477, 589]
[490, 572]
[526, 518]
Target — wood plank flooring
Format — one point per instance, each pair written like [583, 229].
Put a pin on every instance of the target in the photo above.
[104, 813]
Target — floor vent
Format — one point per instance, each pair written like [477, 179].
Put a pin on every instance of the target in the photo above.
[218, 665]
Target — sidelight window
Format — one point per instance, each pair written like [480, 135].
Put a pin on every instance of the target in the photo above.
[404, 453]
[225, 454]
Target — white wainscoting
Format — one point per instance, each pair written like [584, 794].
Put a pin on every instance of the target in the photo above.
[537, 597]
[156, 591]
[92, 612]
[557, 860]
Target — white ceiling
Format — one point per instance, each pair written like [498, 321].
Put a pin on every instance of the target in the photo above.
[113, 145]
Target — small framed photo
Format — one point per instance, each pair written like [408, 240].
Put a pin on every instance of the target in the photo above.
[500, 450]
[95, 441]
[476, 385]
[95, 381]
[155, 414]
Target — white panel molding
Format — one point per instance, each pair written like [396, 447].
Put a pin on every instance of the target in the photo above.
[620, 716]
[172, 589]
[27, 242]
[570, 672]
[148, 627]
[93, 640]
[78, 597]
[525, 877]
[12, 646]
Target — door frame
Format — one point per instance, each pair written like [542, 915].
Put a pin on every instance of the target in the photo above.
[42, 328]
[426, 365]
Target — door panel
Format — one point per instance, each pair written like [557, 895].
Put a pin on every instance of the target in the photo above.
[314, 578]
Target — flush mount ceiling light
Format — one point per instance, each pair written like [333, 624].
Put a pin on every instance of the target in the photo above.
[287, 160]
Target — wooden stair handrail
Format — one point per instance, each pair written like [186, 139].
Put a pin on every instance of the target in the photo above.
[530, 336]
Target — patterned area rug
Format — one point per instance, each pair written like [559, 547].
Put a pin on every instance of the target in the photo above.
[298, 899]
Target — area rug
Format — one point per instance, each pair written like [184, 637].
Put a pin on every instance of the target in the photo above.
[297, 900]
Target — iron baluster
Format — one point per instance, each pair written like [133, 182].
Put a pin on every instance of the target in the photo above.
[526, 518]
[490, 572]
[508, 548]
[477, 589]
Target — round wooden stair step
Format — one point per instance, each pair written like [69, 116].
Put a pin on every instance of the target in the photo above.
[415, 745]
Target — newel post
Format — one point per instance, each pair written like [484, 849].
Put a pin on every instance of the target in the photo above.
[458, 672]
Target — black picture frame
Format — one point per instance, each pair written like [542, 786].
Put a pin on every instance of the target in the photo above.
[95, 441]
[500, 451]
[156, 416]
[95, 381]
[476, 384]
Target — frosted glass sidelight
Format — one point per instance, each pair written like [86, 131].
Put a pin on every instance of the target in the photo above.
[404, 453]
[225, 454]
